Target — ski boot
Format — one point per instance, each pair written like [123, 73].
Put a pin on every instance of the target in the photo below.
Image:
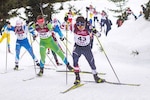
[70, 68]
[97, 79]
[77, 80]
[41, 72]
[9, 50]
[16, 67]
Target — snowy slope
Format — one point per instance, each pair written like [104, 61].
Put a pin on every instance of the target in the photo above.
[130, 68]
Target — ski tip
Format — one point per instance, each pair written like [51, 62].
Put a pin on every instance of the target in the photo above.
[118, 83]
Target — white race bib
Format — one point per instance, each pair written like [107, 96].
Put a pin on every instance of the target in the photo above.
[45, 35]
[21, 33]
[82, 40]
[21, 36]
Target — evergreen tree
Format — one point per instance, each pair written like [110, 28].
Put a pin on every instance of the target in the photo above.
[30, 5]
[120, 8]
[147, 12]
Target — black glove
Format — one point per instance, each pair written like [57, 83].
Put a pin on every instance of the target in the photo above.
[62, 38]
[94, 31]
[34, 37]
[0, 33]
[65, 18]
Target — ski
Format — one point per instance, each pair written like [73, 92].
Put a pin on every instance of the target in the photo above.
[72, 88]
[84, 72]
[31, 78]
[47, 68]
[116, 83]
[11, 71]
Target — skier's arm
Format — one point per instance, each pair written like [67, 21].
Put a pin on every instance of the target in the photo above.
[12, 28]
[32, 31]
[2, 30]
[56, 29]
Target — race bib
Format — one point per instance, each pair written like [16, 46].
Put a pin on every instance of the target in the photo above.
[45, 35]
[20, 33]
[21, 36]
[82, 40]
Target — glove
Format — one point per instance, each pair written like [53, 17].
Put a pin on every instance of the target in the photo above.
[0, 33]
[34, 37]
[62, 38]
[98, 34]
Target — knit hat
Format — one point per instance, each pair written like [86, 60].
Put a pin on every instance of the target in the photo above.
[40, 19]
[19, 23]
[80, 19]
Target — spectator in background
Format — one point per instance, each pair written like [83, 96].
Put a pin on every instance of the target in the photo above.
[103, 19]
[130, 12]
[119, 21]
[143, 9]
[95, 16]
[141, 13]
[108, 25]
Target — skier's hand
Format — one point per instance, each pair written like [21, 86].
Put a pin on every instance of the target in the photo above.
[34, 37]
[94, 31]
[0, 33]
[98, 34]
[62, 38]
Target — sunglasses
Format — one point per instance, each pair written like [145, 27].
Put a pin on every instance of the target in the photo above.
[80, 23]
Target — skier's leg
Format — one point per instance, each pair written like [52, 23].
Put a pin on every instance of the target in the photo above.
[18, 47]
[54, 47]
[76, 55]
[3, 37]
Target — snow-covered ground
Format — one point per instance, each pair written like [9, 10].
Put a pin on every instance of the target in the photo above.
[119, 47]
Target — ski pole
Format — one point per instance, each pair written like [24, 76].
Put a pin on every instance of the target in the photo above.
[32, 51]
[67, 40]
[107, 58]
[6, 52]
[51, 61]
[67, 49]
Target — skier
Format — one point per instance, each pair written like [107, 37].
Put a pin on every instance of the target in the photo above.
[130, 12]
[103, 19]
[46, 41]
[22, 41]
[82, 46]
[108, 25]
[143, 9]
[95, 16]
[69, 18]
[119, 21]
[5, 32]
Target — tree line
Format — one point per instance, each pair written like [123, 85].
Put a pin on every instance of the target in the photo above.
[9, 8]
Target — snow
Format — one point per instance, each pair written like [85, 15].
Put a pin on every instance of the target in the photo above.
[118, 46]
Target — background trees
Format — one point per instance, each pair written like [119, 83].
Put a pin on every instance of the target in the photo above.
[147, 12]
[9, 8]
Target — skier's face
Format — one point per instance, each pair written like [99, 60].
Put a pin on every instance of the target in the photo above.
[80, 25]
[41, 22]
